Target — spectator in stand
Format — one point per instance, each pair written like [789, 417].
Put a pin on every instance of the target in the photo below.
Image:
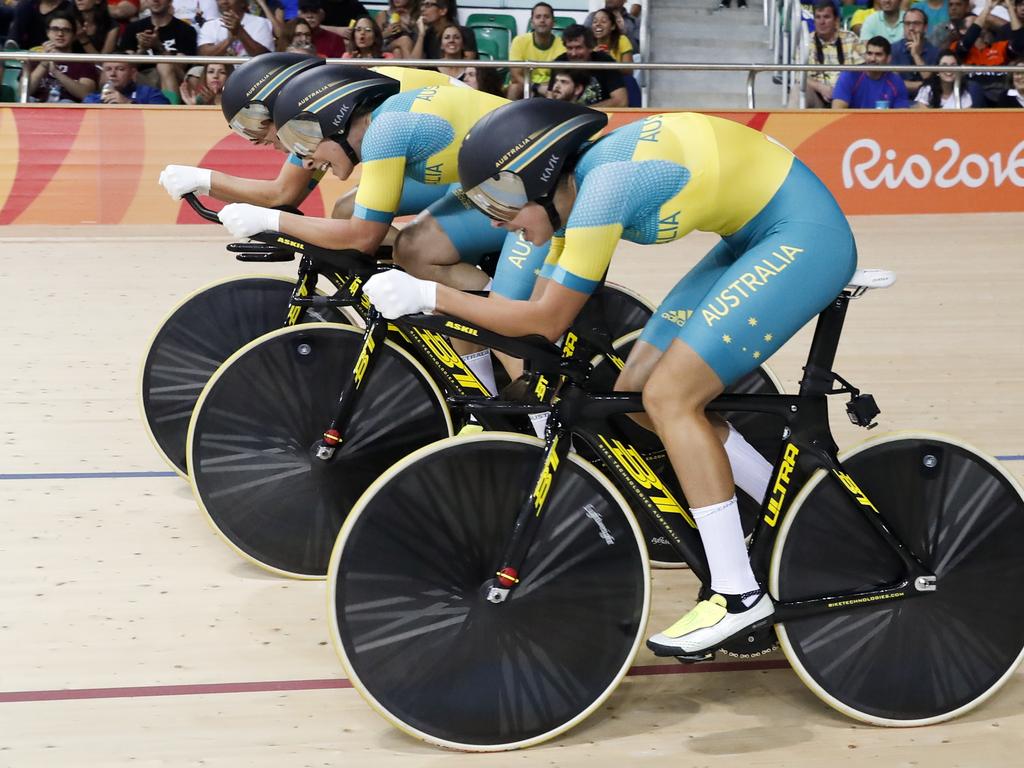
[486, 79]
[937, 14]
[95, 31]
[341, 13]
[937, 91]
[273, 11]
[207, 87]
[398, 24]
[914, 48]
[539, 44]
[863, 12]
[1014, 96]
[29, 22]
[954, 30]
[978, 47]
[236, 32]
[435, 15]
[367, 41]
[160, 33]
[60, 81]
[124, 10]
[887, 21]
[606, 87]
[829, 45]
[327, 44]
[609, 39]
[297, 37]
[119, 87]
[196, 12]
[6, 16]
[568, 85]
[628, 23]
[872, 88]
[453, 49]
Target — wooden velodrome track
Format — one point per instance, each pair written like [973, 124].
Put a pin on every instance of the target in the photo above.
[130, 635]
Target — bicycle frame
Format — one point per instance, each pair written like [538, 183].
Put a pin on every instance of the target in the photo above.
[808, 446]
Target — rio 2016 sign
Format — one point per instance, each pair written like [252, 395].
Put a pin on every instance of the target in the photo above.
[946, 166]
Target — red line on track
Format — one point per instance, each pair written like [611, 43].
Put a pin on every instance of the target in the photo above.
[199, 689]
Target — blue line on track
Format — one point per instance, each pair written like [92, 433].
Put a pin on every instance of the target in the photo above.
[129, 475]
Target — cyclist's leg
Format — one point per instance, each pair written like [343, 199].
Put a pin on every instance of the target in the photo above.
[786, 275]
[444, 243]
[751, 471]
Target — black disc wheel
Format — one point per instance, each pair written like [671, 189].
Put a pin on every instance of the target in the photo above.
[935, 654]
[622, 309]
[200, 334]
[408, 595]
[253, 434]
[761, 430]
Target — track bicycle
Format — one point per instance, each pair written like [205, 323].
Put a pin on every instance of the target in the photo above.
[291, 428]
[208, 326]
[489, 592]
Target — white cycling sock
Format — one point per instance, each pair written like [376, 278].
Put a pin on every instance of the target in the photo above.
[480, 364]
[539, 422]
[751, 471]
[722, 535]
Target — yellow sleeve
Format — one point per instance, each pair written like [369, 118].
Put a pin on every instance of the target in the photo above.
[380, 189]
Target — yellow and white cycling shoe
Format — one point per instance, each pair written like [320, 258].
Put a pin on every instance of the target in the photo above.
[709, 624]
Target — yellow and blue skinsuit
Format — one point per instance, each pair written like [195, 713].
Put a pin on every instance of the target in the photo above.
[786, 248]
[415, 137]
[415, 196]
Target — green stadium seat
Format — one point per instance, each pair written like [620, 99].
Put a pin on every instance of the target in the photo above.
[500, 27]
[487, 48]
[9, 83]
[495, 39]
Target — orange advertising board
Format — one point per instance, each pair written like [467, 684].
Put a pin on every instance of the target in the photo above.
[68, 165]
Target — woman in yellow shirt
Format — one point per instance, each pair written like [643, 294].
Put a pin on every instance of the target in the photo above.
[610, 38]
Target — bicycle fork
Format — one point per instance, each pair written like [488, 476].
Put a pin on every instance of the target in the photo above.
[373, 339]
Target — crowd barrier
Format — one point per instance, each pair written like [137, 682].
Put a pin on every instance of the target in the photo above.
[99, 165]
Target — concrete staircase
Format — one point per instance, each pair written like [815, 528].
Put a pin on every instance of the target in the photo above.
[697, 31]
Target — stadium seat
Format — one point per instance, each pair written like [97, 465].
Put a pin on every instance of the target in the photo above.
[487, 48]
[498, 26]
[498, 37]
[9, 83]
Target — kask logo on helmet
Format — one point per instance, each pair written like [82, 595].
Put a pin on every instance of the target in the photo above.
[549, 169]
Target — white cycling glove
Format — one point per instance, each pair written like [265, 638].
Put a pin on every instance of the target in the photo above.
[244, 220]
[181, 179]
[395, 293]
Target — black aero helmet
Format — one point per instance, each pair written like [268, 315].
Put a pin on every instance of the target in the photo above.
[515, 154]
[248, 97]
[320, 104]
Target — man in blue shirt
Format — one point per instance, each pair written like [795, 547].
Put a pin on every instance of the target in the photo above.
[914, 48]
[119, 87]
[872, 88]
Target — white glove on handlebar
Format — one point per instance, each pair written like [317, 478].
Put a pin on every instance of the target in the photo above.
[182, 179]
[244, 220]
[395, 293]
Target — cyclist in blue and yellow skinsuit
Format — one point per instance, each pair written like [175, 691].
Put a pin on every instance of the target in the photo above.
[248, 102]
[786, 252]
[339, 122]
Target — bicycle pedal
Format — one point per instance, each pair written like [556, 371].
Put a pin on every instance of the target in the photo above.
[694, 658]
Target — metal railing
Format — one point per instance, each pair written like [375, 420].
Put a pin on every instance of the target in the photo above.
[752, 70]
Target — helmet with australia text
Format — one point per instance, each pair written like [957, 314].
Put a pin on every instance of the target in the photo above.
[320, 104]
[249, 94]
[516, 154]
